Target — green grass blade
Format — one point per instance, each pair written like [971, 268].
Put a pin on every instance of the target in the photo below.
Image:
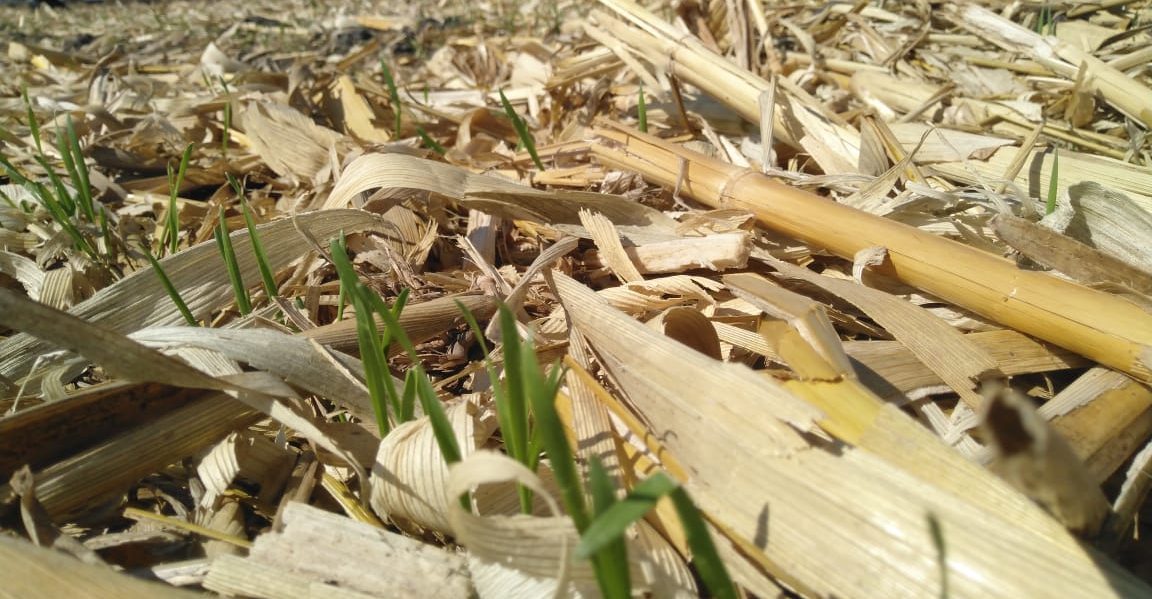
[430, 143]
[33, 124]
[376, 373]
[228, 253]
[610, 524]
[521, 130]
[1053, 183]
[642, 110]
[266, 276]
[393, 94]
[51, 203]
[172, 222]
[407, 408]
[171, 289]
[515, 402]
[937, 533]
[341, 301]
[73, 176]
[555, 442]
[392, 328]
[704, 556]
[511, 411]
[441, 427]
[390, 317]
[79, 172]
[62, 197]
[611, 558]
[226, 135]
[19, 179]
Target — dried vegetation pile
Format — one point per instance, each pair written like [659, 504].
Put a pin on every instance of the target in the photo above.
[869, 279]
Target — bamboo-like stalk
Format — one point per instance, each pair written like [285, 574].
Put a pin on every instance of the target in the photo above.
[1097, 325]
[419, 321]
[688, 59]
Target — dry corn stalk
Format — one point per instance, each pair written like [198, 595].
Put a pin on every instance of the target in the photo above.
[1097, 325]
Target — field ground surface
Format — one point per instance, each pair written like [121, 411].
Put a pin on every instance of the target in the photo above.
[550, 298]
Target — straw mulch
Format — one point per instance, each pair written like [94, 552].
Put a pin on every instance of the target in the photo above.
[874, 286]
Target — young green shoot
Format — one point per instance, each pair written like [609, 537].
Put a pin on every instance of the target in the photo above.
[509, 393]
[52, 202]
[381, 388]
[171, 237]
[73, 156]
[171, 289]
[937, 533]
[611, 558]
[341, 301]
[550, 432]
[526, 140]
[1053, 183]
[1045, 23]
[266, 276]
[33, 124]
[611, 523]
[226, 135]
[430, 143]
[441, 427]
[642, 110]
[228, 253]
[393, 93]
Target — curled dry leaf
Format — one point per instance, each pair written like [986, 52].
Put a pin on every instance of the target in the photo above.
[520, 556]
[410, 478]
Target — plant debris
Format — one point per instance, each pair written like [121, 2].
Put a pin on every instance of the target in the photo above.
[807, 299]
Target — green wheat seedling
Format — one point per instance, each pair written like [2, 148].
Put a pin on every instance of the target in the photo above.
[228, 254]
[266, 276]
[373, 345]
[393, 94]
[612, 571]
[1045, 22]
[441, 427]
[226, 135]
[526, 410]
[51, 200]
[529, 423]
[610, 524]
[642, 111]
[171, 235]
[512, 393]
[33, 124]
[56, 199]
[430, 143]
[526, 140]
[73, 156]
[170, 289]
[373, 352]
[1053, 183]
[937, 532]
